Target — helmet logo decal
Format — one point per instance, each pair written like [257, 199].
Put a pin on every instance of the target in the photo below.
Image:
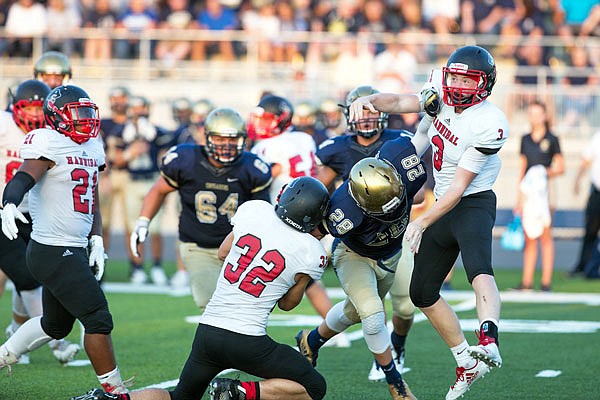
[459, 67]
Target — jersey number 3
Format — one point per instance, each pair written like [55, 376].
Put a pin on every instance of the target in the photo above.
[257, 277]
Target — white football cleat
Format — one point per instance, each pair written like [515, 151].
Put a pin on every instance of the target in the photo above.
[24, 359]
[486, 351]
[465, 378]
[340, 341]
[63, 350]
[7, 358]
[158, 276]
[180, 280]
[138, 276]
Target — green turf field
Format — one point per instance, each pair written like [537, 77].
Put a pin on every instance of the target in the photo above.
[539, 332]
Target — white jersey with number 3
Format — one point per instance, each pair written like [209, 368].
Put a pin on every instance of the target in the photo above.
[482, 126]
[62, 201]
[264, 259]
[294, 151]
[11, 137]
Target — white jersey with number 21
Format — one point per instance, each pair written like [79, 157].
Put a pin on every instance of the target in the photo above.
[264, 259]
[62, 201]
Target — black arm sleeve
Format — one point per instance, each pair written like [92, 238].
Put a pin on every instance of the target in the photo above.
[17, 187]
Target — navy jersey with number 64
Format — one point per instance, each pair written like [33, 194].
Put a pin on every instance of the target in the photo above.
[210, 196]
[372, 237]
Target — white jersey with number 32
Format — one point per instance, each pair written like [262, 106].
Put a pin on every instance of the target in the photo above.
[482, 126]
[62, 201]
[294, 151]
[264, 259]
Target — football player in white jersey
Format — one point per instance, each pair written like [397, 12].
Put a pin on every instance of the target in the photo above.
[27, 114]
[269, 257]
[291, 154]
[65, 253]
[466, 132]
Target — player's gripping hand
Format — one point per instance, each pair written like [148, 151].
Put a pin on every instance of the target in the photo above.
[97, 256]
[139, 234]
[430, 101]
[355, 110]
[9, 215]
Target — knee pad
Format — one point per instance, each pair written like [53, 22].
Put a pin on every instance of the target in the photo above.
[376, 334]
[99, 321]
[336, 320]
[402, 307]
[316, 386]
[374, 323]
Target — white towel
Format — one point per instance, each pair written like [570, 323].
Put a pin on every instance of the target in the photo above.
[536, 206]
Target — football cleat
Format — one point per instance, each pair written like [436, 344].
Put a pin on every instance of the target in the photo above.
[486, 351]
[96, 394]
[180, 279]
[7, 358]
[401, 391]
[24, 358]
[305, 350]
[158, 276]
[122, 387]
[226, 389]
[376, 374]
[465, 378]
[138, 276]
[63, 350]
[340, 341]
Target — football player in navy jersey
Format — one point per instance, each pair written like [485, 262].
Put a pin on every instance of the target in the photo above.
[212, 182]
[465, 132]
[368, 216]
[336, 157]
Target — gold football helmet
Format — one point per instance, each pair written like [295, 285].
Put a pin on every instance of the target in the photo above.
[376, 187]
[225, 131]
[370, 125]
[53, 68]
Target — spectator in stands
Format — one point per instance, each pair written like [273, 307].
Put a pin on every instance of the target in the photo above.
[573, 14]
[65, 22]
[580, 88]
[215, 17]
[290, 21]
[101, 16]
[395, 68]
[137, 18]
[540, 147]
[529, 78]
[442, 18]
[4, 6]
[175, 15]
[374, 19]
[262, 24]
[590, 161]
[25, 20]
[484, 17]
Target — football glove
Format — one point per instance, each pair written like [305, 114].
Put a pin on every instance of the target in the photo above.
[430, 101]
[97, 256]
[138, 235]
[10, 214]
